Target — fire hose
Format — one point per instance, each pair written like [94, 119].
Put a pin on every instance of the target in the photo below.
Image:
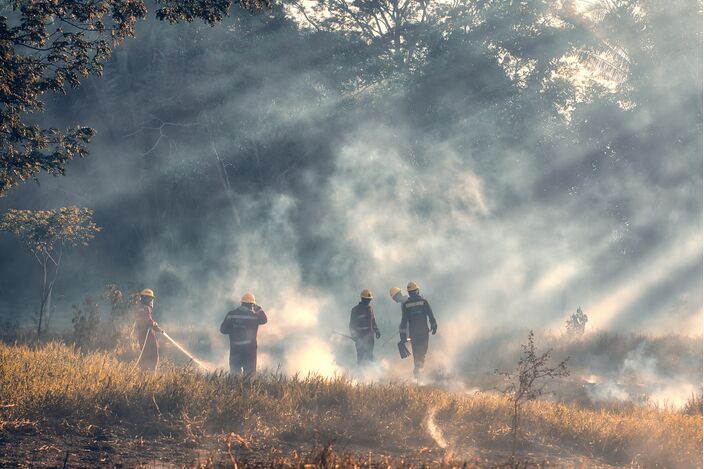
[345, 335]
[176, 344]
[144, 345]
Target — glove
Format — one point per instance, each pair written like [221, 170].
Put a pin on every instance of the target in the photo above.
[434, 328]
[378, 334]
[403, 337]
[156, 328]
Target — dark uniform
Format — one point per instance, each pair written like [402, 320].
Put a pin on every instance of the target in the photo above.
[145, 328]
[363, 329]
[415, 313]
[242, 324]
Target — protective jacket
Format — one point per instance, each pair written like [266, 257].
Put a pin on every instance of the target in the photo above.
[362, 320]
[146, 336]
[415, 314]
[363, 328]
[242, 325]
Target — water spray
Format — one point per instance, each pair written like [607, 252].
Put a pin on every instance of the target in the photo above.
[185, 352]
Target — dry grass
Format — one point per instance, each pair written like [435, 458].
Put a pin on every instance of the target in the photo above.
[53, 385]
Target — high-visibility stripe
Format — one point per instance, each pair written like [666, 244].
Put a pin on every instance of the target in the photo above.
[241, 316]
[241, 342]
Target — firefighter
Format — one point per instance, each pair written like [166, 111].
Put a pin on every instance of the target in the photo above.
[146, 329]
[363, 328]
[415, 314]
[242, 324]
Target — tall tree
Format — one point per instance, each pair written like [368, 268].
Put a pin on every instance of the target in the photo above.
[45, 234]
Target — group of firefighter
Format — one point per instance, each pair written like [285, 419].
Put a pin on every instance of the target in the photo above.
[242, 324]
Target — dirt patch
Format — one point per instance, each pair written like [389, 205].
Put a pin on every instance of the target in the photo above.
[26, 445]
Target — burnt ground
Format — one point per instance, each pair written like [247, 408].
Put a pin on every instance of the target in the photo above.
[26, 445]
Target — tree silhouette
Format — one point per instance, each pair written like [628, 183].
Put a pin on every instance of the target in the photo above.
[45, 234]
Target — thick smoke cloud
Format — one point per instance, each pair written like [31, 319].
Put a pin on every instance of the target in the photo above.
[231, 160]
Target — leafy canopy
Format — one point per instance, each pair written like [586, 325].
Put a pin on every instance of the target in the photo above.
[43, 230]
[48, 44]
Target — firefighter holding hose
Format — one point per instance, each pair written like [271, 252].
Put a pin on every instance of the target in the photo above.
[146, 329]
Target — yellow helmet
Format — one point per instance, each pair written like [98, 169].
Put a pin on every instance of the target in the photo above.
[394, 291]
[366, 294]
[147, 292]
[249, 298]
[412, 286]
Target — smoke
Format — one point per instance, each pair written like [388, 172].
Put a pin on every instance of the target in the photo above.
[642, 377]
[232, 159]
[311, 355]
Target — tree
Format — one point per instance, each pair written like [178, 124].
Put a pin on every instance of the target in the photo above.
[120, 303]
[46, 233]
[527, 381]
[47, 44]
[396, 30]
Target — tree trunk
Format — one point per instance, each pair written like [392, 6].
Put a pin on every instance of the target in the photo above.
[47, 306]
[47, 289]
[41, 306]
[515, 428]
[225, 180]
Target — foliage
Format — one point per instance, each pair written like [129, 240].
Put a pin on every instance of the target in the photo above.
[93, 332]
[45, 233]
[210, 11]
[526, 382]
[54, 385]
[394, 30]
[46, 45]
[120, 304]
[576, 324]
[86, 324]
[401, 37]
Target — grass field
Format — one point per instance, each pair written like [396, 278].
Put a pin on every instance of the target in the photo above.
[52, 389]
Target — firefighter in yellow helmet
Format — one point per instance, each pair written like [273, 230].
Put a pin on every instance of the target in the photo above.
[415, 314]
[363, 328]
[146, 329]
[242, 324]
